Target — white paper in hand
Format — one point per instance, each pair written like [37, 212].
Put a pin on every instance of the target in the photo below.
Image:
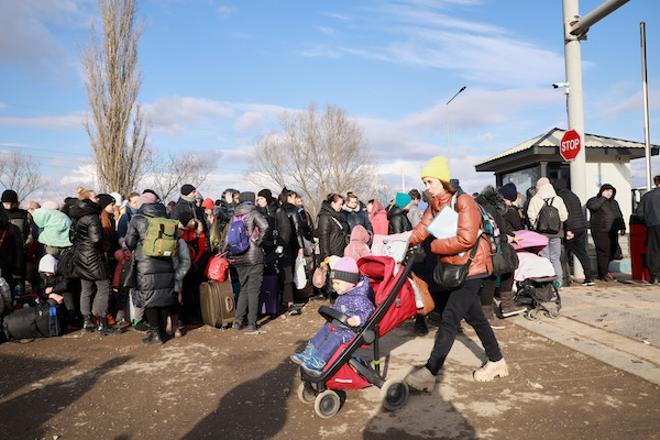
[445, 224]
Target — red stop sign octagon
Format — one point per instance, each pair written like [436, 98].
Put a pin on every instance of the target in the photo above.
[570, 145]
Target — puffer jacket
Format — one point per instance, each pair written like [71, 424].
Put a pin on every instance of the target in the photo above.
[577, 220]
[332, 232]
[469, 224]
[492, 202]
[356, 302]
[546, 192]
[89, 260]
[398, 220]
[358, 247]
[257, 229]
[289, 231]
[379, 219]
[23, 221]
[357, 216]
[155, 276]
[12, 252]
[54, 226]
[606, 214]
[649, 208]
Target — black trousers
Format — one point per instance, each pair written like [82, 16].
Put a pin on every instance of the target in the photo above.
[157, 317]
[462, 303]
[653, 251]
[606, 244]
[487, 291]
[578, 247]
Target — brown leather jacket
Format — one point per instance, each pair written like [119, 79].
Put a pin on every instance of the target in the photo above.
[469, 223]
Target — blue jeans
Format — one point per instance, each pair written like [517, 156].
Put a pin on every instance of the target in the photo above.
[326, 343]
[553, 253]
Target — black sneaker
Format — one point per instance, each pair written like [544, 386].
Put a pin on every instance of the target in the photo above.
[141, 326]
[588, 283]
[420, 328]
[237, 325]
[252, 329]
[89, 325]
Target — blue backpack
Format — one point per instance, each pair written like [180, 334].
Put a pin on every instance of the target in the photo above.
[238, 238]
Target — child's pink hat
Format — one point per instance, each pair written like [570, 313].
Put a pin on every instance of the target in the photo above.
[346, 269]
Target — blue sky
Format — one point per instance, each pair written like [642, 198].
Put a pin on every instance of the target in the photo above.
[216, 74]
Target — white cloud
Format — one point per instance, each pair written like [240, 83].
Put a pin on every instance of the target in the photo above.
[325, 30]
[226, 11]
[337, 16]
[57, 121]
[249, 120]
[172, 114]
[322, 51]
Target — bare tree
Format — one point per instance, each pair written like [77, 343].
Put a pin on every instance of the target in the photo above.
[116, 126]
[315, 154]
[20, 173]
[165, 176]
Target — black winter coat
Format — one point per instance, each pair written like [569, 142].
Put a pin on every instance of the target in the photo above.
[398, 220]
[606, 215]
[492, 202]
[333, 232]
[577, 220]
[86, 234]
[155, 276]
[23, 222]
[257, 229]
[357, 216]
[12, 252]
[289, 234]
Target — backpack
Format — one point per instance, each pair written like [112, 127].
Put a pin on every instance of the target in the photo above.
[161, 237]
[548, 221]
[238, 238]
[502, 254]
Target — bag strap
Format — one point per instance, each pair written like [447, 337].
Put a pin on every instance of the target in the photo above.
[473, 252]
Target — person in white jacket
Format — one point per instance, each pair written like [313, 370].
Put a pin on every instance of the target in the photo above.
[545, 194]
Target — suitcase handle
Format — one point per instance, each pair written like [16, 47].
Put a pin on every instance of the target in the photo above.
[229, 303]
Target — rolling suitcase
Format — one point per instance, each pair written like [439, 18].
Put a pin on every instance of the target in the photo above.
[217, 303]
[41, 321]
[269, 298]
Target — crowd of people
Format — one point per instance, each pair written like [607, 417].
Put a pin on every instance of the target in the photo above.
[111, 262]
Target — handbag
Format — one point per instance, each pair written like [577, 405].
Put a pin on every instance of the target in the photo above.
[505, 261]
[452, 276]
[218, 268]
[129, 273]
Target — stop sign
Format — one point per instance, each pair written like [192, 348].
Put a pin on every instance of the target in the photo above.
[570, 145]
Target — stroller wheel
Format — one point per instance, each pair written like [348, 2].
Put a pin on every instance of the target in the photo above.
[532, 314]
[305, 393]
[327, 404]
[395, 394]
[552, 313]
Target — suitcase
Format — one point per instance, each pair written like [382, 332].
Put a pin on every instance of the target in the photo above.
[269, 301]
[217, 303]
[41, 321]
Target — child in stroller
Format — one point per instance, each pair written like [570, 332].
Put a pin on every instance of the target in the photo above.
[354, 300]
[346, 370]
[535, 277]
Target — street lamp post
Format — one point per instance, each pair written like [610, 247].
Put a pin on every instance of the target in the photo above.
[447, 116]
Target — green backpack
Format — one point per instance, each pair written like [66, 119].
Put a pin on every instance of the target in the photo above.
[161, 237]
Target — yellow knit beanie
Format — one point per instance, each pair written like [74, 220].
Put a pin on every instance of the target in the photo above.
[438, 168]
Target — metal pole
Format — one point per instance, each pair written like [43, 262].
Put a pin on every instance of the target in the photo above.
[582, 27]
[574, 105]
[645, 96]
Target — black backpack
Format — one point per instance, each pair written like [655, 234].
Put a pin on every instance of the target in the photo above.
[548, 221]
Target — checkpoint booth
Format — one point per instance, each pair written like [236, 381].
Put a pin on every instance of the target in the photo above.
[607, 161]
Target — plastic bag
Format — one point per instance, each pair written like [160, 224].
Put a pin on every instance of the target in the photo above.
[300, 273]
[217, 269]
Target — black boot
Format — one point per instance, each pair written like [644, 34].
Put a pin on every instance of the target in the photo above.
[420, 328]
[104, 329]
[153, 337]
[88, 324]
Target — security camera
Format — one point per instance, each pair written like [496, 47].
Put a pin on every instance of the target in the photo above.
[559, 84]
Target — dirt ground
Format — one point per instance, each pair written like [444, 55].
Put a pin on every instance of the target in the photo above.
[223, 384]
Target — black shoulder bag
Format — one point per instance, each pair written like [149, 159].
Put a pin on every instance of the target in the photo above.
[452, 276]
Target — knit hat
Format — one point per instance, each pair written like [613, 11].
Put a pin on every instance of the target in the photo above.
[247, 196]
[185, 217]
[151, 191]
[208, 204]
[187, 189]
[10, 196]
[402, 200]
[438, 168]
[543, 181]
[148, 197]
[509, 191]
[266, 194]
[50, 204]
[105, 200]
[346, 269]
[48, 264]
[117, 197]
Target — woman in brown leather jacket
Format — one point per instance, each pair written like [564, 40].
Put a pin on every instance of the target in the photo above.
[464, 302]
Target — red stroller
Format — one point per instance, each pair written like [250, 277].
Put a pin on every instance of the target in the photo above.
[395, 303]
